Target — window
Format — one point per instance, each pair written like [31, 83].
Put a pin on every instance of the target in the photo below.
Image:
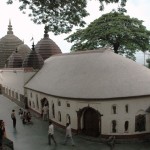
[37, 102]
[6, 91]
[114, 109]
[126, 126]
[140, 122]
[114, 124]
[59, 116]
[16, 95]
[59, 103]
[68, 105]
[9, 92]
[126, 108]
[53, 110]
[68, 120]
[12, 93]
[31, 94]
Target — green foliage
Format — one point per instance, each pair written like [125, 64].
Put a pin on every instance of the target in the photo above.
[59, 15]
[122, 3]
[124, 34]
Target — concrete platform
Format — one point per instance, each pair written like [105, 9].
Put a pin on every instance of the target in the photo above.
[34, 136]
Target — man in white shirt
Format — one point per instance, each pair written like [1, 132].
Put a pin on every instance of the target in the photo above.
[68, 134]
[51, 133]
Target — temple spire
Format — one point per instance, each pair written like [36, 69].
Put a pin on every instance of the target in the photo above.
[46, 32]
[33, 48]
[9, 28]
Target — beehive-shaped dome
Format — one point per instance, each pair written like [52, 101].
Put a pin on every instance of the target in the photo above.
[8, 44]
[97, 74]
[15, 60]
[23, 49]
[47, 47]
[33, 59]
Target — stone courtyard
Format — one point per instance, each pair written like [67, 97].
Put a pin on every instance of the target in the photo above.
[34, 137]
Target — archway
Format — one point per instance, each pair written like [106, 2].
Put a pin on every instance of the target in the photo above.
[44, 102]
[91, 121]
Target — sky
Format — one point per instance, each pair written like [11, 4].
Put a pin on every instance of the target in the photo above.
[25, 29]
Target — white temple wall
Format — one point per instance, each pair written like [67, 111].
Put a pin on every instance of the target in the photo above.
[135, 106]
[13, 80]
[63, 109]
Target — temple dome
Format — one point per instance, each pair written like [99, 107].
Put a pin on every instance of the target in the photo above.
[23, 49]
[33, 59]
[15, 60]
[8, 44]
[47, 47]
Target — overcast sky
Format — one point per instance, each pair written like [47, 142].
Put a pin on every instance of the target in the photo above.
[25, 29]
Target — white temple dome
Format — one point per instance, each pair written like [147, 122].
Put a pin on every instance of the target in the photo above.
[99, 74]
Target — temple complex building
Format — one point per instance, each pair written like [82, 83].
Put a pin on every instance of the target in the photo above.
[98, 92]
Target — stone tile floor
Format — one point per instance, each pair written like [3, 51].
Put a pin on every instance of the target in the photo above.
[34, 137]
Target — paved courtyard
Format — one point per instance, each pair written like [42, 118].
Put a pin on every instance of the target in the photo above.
[34, 137]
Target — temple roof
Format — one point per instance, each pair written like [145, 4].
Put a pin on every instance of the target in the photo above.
[23, 49]
[8, 44]
[47, 47]
[99, 74]
[33, 59]
[15, 60]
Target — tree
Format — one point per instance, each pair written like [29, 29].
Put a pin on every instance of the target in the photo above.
[124, 34]
[60, 15]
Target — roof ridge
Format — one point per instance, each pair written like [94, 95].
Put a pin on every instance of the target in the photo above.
[100, 50]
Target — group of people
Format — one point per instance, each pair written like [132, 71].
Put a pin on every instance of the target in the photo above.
[25, 116]
[67, 137]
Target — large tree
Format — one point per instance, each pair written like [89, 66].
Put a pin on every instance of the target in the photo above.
[60, 15]
[124, 34]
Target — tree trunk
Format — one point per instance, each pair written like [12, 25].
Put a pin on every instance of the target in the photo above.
[116, 47]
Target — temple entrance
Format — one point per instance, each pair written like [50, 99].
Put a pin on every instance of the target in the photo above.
[44, 102]
[89, 121]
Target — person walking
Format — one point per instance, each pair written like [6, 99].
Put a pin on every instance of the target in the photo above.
[51, 133]
[68, 135]
[13, 116]
[111, 142]
[45, 112]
